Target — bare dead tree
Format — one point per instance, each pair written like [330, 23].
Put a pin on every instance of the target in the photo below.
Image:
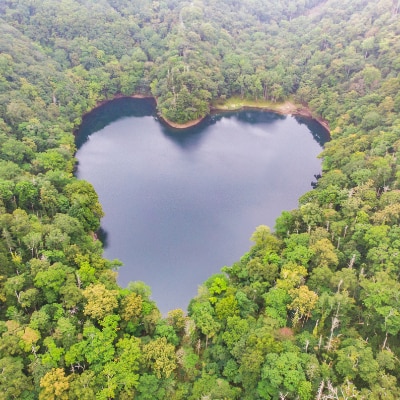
[335, 324]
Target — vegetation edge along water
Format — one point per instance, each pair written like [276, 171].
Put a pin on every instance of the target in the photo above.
[231, 104]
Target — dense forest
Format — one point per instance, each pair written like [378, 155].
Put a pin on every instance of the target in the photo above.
[311, 311]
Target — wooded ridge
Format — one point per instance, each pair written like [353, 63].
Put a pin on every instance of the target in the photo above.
[311, 311]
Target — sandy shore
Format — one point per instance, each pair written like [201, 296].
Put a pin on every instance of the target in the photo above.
[290, 108]
[181, 126]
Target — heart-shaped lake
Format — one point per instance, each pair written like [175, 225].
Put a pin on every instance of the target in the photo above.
[180, 205]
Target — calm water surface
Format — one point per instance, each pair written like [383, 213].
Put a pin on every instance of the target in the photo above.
[180, 205]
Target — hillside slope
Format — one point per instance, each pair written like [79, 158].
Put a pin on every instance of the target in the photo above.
[311, 311]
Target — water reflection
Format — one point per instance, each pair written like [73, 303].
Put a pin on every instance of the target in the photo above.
[189, 138]
[180, 205]
[259, 117]
[320, 134]
[112, 111]
[102, 235]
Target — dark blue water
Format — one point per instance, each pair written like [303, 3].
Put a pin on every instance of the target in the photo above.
[180, 205]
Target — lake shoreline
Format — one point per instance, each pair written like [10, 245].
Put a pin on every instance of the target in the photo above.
[285, 108]
[176, 125]
[116, 97]
[179, 189]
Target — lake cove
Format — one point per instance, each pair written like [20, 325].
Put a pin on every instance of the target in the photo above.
[181, 204]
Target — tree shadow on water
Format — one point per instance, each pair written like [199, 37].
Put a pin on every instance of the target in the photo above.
[110, 112]
[320, 133]
[102, 235]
